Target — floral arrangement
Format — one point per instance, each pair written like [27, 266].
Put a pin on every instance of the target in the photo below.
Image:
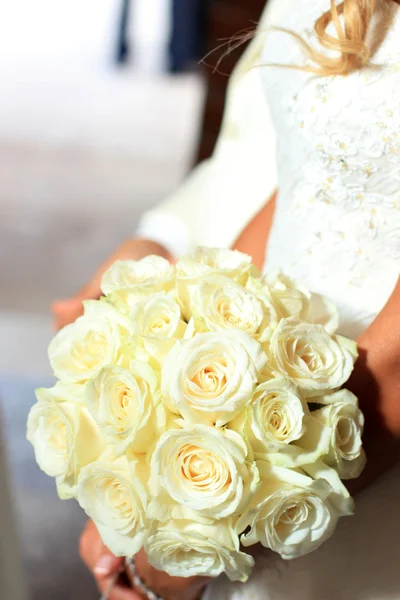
[200, 409]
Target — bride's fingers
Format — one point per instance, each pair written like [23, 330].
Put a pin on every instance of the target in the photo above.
[113, 590]
[107, 565]
[66, 312]
[106, 572]
[104, 566]
[173, 588]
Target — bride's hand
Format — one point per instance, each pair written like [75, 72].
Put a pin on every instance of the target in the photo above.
[68, 310]
[104, 566]
[169, 588]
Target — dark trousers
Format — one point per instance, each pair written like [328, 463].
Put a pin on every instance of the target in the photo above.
[187, 46]
[122, 51]
[188, 33]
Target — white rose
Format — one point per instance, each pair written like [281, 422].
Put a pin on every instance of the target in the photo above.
[293, 514]
[292, 299]
[130, 280]
[202, 469]
[279, 427]
[346, 423]
[114, 496]
[288, 296]
[157, 320]
[186, 548]
[131, 347]
[103, 309]
[275, 416]
[321, 311]
[80, 350]
[64, 435]
[211, 377]
[232, 263]
[210, 261]
[218, 303]
[127, 406]
[310, 357]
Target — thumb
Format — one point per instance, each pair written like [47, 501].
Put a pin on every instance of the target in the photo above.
[66, 311]
[106, 572]
[107, 564]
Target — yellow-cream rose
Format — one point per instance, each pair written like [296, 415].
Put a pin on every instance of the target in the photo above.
[210, 261]
[185, 548]
[346, 422]
[321, 311]
[113, 494]
[203, 469]
[211, 377]
[80, 350]
[126, 405]
[219, 303]
[129, 280]
[64, 435]
[293, 513]
[288, 296]
[158, 322]
[310, 357]
[293, 300]
[279, 426]
[276, 416]
[105, 310]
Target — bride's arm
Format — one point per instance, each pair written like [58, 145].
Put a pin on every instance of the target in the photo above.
[376, 382]
[253, 239]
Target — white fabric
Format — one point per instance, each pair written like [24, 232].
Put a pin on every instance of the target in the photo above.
[166, 229]
[337, 228]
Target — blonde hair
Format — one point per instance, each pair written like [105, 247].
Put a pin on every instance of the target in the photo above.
[350, 40]
[352, 24]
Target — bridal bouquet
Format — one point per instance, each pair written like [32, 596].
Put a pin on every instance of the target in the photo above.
[200, 409]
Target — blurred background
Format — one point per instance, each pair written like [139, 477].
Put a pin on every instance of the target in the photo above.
[103, 109]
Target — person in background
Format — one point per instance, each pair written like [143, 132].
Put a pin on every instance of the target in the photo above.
[331, 127]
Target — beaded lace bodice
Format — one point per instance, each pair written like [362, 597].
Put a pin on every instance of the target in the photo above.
[338, 219]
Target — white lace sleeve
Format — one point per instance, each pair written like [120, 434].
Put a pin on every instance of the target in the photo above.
[224, 193]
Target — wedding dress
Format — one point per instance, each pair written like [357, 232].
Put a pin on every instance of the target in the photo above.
[336, 145]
